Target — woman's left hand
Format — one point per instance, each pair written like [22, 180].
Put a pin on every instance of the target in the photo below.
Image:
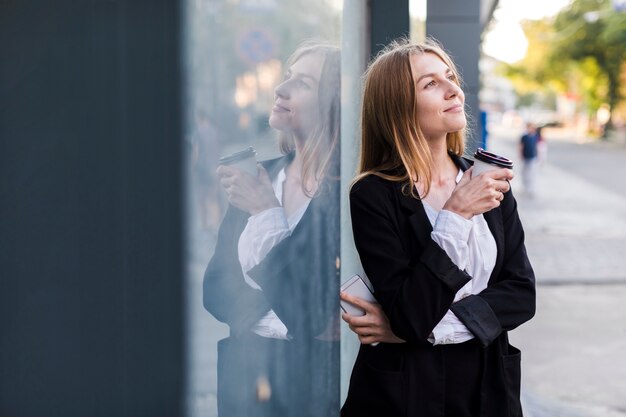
[371, 328]
[479, 194]
[246, 192]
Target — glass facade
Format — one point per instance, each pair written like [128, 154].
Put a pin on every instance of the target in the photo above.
[262, 260]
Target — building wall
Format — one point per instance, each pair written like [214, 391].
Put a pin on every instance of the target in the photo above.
[90, 239]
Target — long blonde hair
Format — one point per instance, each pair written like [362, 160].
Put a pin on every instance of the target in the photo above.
[320, 156]
[392, 143]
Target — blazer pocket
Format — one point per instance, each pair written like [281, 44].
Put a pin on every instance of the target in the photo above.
[376, 388]
[511, 366]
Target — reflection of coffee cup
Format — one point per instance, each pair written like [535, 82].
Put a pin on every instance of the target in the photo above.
[486, 161]
[244, 160]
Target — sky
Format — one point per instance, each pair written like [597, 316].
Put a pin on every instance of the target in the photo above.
[505, 39]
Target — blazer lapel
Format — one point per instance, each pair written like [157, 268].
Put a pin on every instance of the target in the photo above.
[420, 224]
[273, 166]
[494, 221]
[417, 216]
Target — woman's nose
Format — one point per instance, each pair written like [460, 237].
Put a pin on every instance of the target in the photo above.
[281, 90]
[453, 90]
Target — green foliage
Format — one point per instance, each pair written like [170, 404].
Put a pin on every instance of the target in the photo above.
[526, 100]
[536, 76]
[593, 83]
[580, 52]
[599, 35]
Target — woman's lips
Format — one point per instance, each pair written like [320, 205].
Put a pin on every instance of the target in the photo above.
[279, 109]
[454, 109]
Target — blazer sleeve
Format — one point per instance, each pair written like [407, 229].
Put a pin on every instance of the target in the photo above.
[225, 293]
[415, 291]
[509, 299]
[299, 275]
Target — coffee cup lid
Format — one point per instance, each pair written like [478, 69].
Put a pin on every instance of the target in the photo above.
[492, 158]
[237, 156]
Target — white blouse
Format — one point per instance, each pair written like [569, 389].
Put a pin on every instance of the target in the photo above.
[263, 231]
[472, 247]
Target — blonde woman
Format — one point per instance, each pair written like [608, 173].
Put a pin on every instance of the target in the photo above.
[444, 251]
[274, 276]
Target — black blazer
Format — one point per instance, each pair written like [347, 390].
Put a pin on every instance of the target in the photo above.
[299, 276]
[415, 281]
[300, 282]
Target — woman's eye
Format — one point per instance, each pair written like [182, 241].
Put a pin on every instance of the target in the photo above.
[451, 77]
[430, 84]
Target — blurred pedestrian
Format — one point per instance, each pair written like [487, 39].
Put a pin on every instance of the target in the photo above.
[443, 250]
[529, 153]
[274, 276]
[542, 146]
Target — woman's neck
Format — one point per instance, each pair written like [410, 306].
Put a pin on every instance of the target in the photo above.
[443, 168]
[295, 167]
[294, 171]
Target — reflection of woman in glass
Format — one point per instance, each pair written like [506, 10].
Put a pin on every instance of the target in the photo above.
[274, 275]
[443, 250]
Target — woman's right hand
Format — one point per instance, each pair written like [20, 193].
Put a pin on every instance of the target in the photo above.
[473, 196]
[371, 328]
[246, 192]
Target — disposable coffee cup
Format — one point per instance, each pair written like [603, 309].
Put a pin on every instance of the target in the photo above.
[487, 161]
[244, 160]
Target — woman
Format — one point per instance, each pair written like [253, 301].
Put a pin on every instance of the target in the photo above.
[444, 252]
[274, 275]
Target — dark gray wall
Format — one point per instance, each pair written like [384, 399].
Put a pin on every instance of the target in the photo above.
[456, 24]
[90, 208]
[389, 19]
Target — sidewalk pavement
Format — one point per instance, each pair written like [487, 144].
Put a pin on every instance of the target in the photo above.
[573, 362]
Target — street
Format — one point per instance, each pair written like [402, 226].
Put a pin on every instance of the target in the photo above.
[572, 351]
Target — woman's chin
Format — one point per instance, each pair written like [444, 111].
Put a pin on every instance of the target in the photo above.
[459, 125]
[276, 123]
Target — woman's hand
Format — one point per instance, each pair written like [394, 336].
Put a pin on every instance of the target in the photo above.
[473, 196]
[373, 327]
[248, 193]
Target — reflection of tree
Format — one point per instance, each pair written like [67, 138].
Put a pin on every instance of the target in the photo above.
[579, 53]
[233, 87]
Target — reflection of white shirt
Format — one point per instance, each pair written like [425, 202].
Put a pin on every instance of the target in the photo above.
[264, 231]
[472, 247]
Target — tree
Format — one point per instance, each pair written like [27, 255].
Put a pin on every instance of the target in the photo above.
[594, 32]
[533, 74]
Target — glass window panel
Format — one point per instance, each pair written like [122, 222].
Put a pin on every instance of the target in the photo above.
[262, 258]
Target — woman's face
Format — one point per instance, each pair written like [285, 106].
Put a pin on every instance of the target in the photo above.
[296, 105]
[438, 97]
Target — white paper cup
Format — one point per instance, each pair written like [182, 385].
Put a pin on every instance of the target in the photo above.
[244, 160]
[487, 161]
